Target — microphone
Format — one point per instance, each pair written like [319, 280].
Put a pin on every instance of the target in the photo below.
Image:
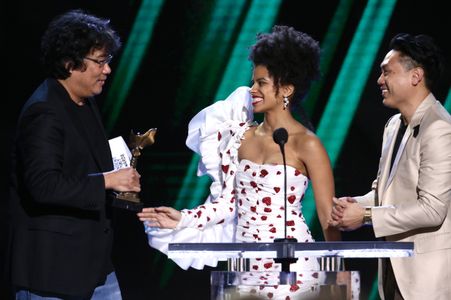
[286, 253]
[280, 137]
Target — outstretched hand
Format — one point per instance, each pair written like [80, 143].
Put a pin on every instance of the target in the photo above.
[161, 217]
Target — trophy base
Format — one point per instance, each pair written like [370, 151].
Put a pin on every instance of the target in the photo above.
[127, 204]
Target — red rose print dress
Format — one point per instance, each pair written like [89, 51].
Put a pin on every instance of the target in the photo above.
[246, 203]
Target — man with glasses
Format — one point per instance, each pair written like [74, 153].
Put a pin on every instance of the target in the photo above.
[62, 170]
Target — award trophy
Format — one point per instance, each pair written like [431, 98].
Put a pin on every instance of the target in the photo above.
[137, 142]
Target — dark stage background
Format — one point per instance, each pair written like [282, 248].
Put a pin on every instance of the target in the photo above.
[154, 101]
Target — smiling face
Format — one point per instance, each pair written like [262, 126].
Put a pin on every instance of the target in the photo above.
[396, 81]
[264, 92]
[88, 81]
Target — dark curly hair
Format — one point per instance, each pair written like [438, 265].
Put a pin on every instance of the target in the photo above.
[73, 35]
[291, 57]
[420, 51]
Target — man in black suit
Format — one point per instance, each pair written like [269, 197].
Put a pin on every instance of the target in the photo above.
[62, 170]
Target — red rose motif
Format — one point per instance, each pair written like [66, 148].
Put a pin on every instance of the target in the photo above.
[277, 189]
[294, 288]
[225, 169]
[263, 173]
[291, 199]
[268, 265]
[267, 200]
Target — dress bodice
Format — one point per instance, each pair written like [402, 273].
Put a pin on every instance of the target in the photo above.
[261, 202]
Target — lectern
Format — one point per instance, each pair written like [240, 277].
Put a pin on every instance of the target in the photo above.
[334, 282]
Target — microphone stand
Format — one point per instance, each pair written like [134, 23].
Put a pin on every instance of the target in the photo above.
[285, 254]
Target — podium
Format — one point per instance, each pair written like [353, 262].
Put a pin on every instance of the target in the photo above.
[333, 281]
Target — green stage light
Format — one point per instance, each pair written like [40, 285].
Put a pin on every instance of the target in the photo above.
[448, 101]
[258, 18]
[345, 96]
[130, 61]
[328, 47]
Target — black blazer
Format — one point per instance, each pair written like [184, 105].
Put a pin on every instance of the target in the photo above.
[62, 237]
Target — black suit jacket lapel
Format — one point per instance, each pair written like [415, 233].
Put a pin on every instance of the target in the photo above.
[103, 154]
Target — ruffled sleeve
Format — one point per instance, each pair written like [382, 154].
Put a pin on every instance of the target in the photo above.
[215, 134]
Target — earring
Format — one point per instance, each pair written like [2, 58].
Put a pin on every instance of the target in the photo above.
[285, 102]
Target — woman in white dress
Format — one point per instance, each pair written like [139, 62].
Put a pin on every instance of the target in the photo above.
[246, 203]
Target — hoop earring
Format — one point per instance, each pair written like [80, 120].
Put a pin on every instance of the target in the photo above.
[285, 102]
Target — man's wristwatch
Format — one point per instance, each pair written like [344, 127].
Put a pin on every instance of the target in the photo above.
[367, 217]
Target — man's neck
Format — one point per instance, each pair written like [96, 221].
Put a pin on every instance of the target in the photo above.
[77, 100]
[409, 108]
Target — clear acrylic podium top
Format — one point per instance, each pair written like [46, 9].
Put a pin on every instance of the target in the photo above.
[349, 249]
[332, 281]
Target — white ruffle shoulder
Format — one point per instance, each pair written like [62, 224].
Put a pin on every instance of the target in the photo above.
[215, 134]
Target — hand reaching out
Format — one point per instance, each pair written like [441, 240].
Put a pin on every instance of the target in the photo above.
[161, 217]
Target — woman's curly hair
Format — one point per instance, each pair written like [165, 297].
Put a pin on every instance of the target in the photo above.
[291, 57]
[70, 37]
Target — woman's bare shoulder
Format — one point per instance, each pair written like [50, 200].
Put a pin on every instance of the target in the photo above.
[306, 140]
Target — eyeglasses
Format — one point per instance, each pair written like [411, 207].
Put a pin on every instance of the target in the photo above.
[102, 62]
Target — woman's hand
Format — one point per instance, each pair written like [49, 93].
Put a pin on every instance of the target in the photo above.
[161, 217]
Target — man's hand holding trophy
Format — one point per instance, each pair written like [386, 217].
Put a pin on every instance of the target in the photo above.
[137, 142]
